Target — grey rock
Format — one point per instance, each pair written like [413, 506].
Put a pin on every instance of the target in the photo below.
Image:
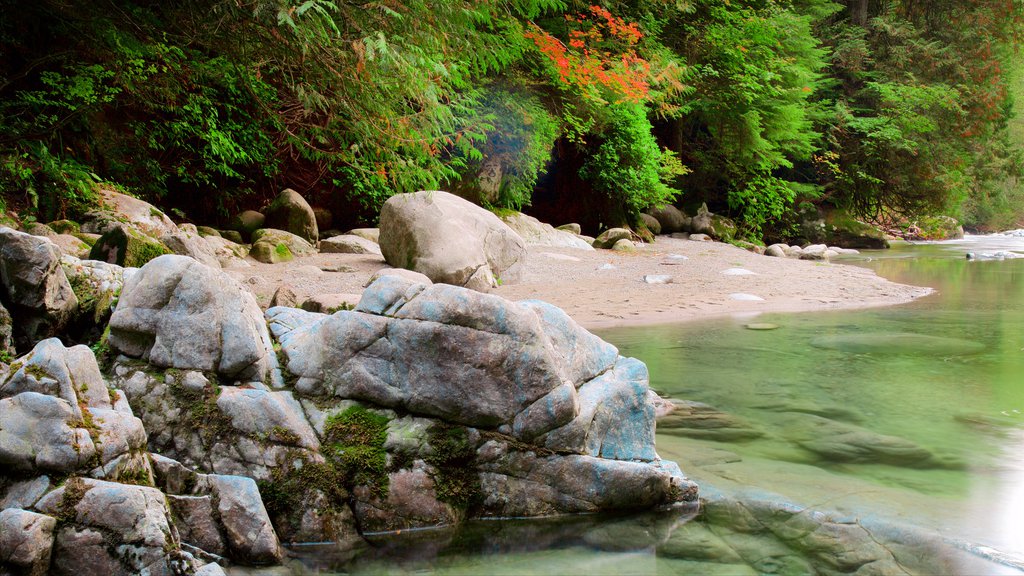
[609, 237]
[713, 225]
[776, 250]
[26, 539]
[276, 416]
[572, 228]
[40, 433]
[26, 493]
[284, 296]
[700, 238]
[36, 290]
[842, 442]
[71, 374]
[126, 246]
[536, 233]
[657, 279]
[71, 245]
[450, 240]
[525, 484]
[616, 417]
[290, 212]
[132, 522]
[116, 208]
[348, 244]
[188, 242]
[814, 252]
[177, 313]
[227, 251]
[39, 229]
[197, 523]
[207, 231]
[414, 277]
[793, 251]
[250, 536]
[211, 569]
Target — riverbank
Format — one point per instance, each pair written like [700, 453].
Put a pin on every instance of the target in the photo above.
[603, 289]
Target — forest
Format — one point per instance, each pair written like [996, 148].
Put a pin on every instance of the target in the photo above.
[889, 110]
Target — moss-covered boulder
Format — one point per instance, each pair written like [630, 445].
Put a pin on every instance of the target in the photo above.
[65, 226]
[935, 228]
[714, 225]
[205, 231]
[840, 228]
[246, 223]
[126, 247]
[272, 246]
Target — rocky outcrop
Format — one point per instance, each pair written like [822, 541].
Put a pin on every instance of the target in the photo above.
[120, 209]
[177, 313]
[450, 240]
[34, 288]
[290, 212]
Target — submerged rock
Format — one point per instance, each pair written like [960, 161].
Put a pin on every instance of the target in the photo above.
[898, 343]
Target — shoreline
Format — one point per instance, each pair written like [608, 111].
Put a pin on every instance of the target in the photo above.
[600, 297]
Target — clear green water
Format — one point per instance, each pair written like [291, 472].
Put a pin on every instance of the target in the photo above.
[944, 375]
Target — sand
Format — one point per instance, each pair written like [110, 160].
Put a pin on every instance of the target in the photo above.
[602, 289]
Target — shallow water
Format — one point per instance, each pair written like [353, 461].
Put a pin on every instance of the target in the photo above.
[798, 413]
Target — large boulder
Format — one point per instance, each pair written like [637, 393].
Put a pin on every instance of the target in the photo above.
[450, 240]
[537, 233]
[97, 286]
[34, 289]
[290, 212]
[125, 246]
[120, 209]
[121, 529]
[714, 225]
[178, 313]
[672, 219]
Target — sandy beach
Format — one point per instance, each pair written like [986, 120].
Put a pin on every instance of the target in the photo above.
[602, 289]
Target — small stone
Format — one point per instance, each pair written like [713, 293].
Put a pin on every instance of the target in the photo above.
[761, 326]
[610, 237]
[745, 297]
[563, 257]
[657, 279]
[571, 227]
[701, 238]
[607, 266]
[738, 272]
[624, 245]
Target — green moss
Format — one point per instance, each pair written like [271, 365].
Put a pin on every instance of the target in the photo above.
[65, 227]
[282, 251]
[36, 372]
[131, 248]
[456, 480]
[354, 445]
[200, 411]
[291, 489]
[89, 239]
[282, 435]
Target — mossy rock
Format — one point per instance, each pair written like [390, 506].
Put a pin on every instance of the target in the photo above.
[127, 247]
[723, 228]
[271, 253]
[89, 239]
[65, 226]
[246, 223]
[939, 228]
[839, 228]
[233, 235]
[205, 231]
[38, 229]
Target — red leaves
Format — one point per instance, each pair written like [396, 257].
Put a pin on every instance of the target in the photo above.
[601, 54]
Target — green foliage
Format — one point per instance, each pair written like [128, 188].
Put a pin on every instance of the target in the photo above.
[628, 165]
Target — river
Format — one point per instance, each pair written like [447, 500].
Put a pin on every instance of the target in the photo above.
[880, 441]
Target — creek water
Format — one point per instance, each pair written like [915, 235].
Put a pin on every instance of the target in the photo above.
[886, 441]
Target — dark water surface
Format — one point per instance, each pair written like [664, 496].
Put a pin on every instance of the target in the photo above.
[885, 441]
